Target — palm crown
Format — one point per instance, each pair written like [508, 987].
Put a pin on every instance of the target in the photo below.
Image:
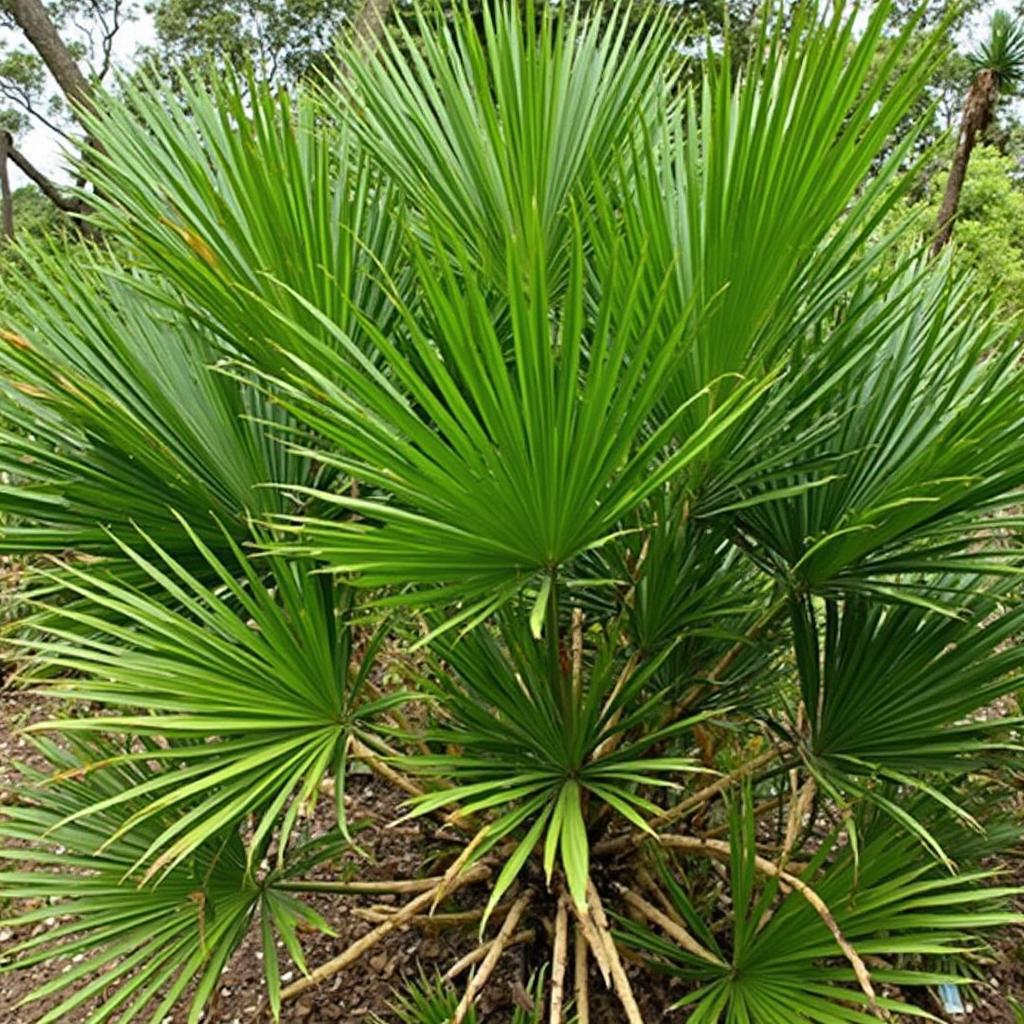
[596, 407]
[1002, 51]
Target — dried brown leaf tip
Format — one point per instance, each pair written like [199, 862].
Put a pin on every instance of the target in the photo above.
[15, 339]
[31, 390]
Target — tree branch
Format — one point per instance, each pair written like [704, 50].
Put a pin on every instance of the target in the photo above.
[32, 17]
[69, 204]
[19, 97]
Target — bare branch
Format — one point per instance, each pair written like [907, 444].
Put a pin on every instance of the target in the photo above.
[20, 97]
[69, 204]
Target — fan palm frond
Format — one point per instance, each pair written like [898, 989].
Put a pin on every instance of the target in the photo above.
[134, 950]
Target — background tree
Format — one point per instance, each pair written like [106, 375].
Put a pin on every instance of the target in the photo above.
[68, 49]
[997, 66]
[52, 77]
[990, 225]
[283, 39]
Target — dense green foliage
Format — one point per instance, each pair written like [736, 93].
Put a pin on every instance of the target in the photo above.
[594, 405]
[989, 236]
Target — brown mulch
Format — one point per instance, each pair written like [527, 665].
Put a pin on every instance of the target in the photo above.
[404, 850]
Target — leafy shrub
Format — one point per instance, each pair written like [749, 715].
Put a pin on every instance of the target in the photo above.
[564, 444]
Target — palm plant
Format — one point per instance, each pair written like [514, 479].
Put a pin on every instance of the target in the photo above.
[432, 1002]
[143, 949]
[997, 66]
[563, 444]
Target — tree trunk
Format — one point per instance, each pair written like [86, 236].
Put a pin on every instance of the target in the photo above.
[370, 22]
[34, 20]
[6, 199]
[979, 109]
[39, 28]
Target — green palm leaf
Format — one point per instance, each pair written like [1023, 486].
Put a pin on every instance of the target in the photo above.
[926, 444]
[492, 131]
[779, 964]
[241, 196]
[499, 457]
[135, 950]
[264, 663]
[113, 416]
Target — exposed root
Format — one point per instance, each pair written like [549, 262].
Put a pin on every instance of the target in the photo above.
[580, 976]
[350, 955]
[501, 941]
[647, 881]
[392, 885]
[620, 980]
[668, 926]
[721, 850]
[459, 863]
[586, 928]
[481, 951]
[429, 919]
[363, 753]
[559, 948]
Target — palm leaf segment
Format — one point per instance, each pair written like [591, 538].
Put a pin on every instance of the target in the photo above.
[135, 950]
[263, 663]
[890, 902]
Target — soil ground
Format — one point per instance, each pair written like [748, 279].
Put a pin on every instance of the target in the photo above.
[367, 988]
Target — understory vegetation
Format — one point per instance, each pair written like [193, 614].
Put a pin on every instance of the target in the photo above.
[586, 448]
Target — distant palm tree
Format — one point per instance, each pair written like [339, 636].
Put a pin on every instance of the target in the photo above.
[998, 63]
